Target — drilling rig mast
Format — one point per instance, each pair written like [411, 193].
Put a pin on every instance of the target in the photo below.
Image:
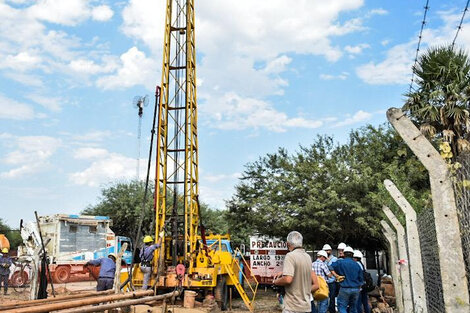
[177, 210]
[184, 258]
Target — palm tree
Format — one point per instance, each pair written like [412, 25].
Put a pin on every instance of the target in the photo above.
[440, 104]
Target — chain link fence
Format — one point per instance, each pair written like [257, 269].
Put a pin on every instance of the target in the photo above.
[430, 259]
[462, 199]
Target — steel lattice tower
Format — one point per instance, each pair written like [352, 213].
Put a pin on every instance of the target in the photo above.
[176, 205]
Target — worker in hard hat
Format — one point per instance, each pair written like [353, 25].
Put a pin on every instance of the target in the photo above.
[320, 267]
[107, 271]
[5, 263]
[333, 286]
[352, 279]
[340, 249]
[363, 300]
[146, 257]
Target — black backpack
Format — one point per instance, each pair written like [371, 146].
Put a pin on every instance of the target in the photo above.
[368, 282]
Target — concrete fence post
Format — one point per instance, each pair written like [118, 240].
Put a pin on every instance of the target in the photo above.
[414, 248]
[408, 303]
[449, 244]
[392, 240]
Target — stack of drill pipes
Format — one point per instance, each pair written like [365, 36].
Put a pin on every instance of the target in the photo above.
[21, 304]
[121, 304]
[82, 302]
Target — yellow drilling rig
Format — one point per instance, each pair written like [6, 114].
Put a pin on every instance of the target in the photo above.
[186, 257]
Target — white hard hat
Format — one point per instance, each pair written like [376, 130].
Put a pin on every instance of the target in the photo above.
[322, 253]
[348, 249]
[326, 247]
[341, 246]
[358, 254]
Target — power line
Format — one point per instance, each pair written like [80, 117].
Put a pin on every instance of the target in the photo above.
[460, 24]
[426, 8]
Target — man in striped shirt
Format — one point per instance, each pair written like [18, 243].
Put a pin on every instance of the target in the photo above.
[320, 267]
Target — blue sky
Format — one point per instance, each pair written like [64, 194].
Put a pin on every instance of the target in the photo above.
[270, 74]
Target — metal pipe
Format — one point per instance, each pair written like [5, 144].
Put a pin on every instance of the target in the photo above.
[82, 302]
[21, 304]
[121, 304]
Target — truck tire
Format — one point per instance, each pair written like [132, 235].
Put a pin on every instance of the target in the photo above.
[61, 275]
[221, 292]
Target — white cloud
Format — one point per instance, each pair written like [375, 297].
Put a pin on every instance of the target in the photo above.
[87, 66]
[253, 44]
[359, 116]
[94, 136]
[50, 103]
[105, 167]
[22, 61]
[14, 110]
[32, 155]
[378, 11]
[356, 49]
[235, 112]
[135, 69]
[220, 177]
[342, 76]
[395, 69]
[90, 153]
[102, 13]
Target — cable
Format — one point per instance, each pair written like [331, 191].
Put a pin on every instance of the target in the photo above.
[144, 200]
[460, 24]
[426, 8]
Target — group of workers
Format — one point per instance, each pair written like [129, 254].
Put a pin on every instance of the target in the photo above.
[108, 265]
[343, 273]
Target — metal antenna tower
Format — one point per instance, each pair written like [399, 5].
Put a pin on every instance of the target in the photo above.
[139, 102]
[177, 144]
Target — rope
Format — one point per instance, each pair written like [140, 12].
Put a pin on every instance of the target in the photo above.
[426, 8]
[460, 24]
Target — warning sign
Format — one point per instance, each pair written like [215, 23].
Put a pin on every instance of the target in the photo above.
[267, 256]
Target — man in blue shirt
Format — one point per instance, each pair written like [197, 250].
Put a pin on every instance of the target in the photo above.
[363, 300]
[146, 258]
[5, 263]
[351, 285]
[107, 271]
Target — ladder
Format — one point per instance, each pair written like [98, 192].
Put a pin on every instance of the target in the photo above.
[235, 279]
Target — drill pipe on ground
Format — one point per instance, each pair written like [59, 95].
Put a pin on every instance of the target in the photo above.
[121, 304]
[82, 302]
[22, 304]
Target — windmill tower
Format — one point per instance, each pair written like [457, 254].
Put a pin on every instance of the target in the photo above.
[139, 102]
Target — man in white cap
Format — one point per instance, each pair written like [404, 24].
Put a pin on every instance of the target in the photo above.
[363, 300]
[332, 284]
[352, 283]
[320, 268]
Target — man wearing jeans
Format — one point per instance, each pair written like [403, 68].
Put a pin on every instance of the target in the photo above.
[351, 285]
[320, 268]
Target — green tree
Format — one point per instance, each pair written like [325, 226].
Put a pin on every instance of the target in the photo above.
[440, 104]
[327, 191]
[13, 235]
[122, 202]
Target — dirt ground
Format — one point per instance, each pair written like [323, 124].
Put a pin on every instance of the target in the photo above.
[266, 301]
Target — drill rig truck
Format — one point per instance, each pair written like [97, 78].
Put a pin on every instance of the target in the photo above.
[184, 259]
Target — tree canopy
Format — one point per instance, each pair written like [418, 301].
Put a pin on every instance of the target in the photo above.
[440, 103]
[13, 235]
[330, 192]
[122, 202]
